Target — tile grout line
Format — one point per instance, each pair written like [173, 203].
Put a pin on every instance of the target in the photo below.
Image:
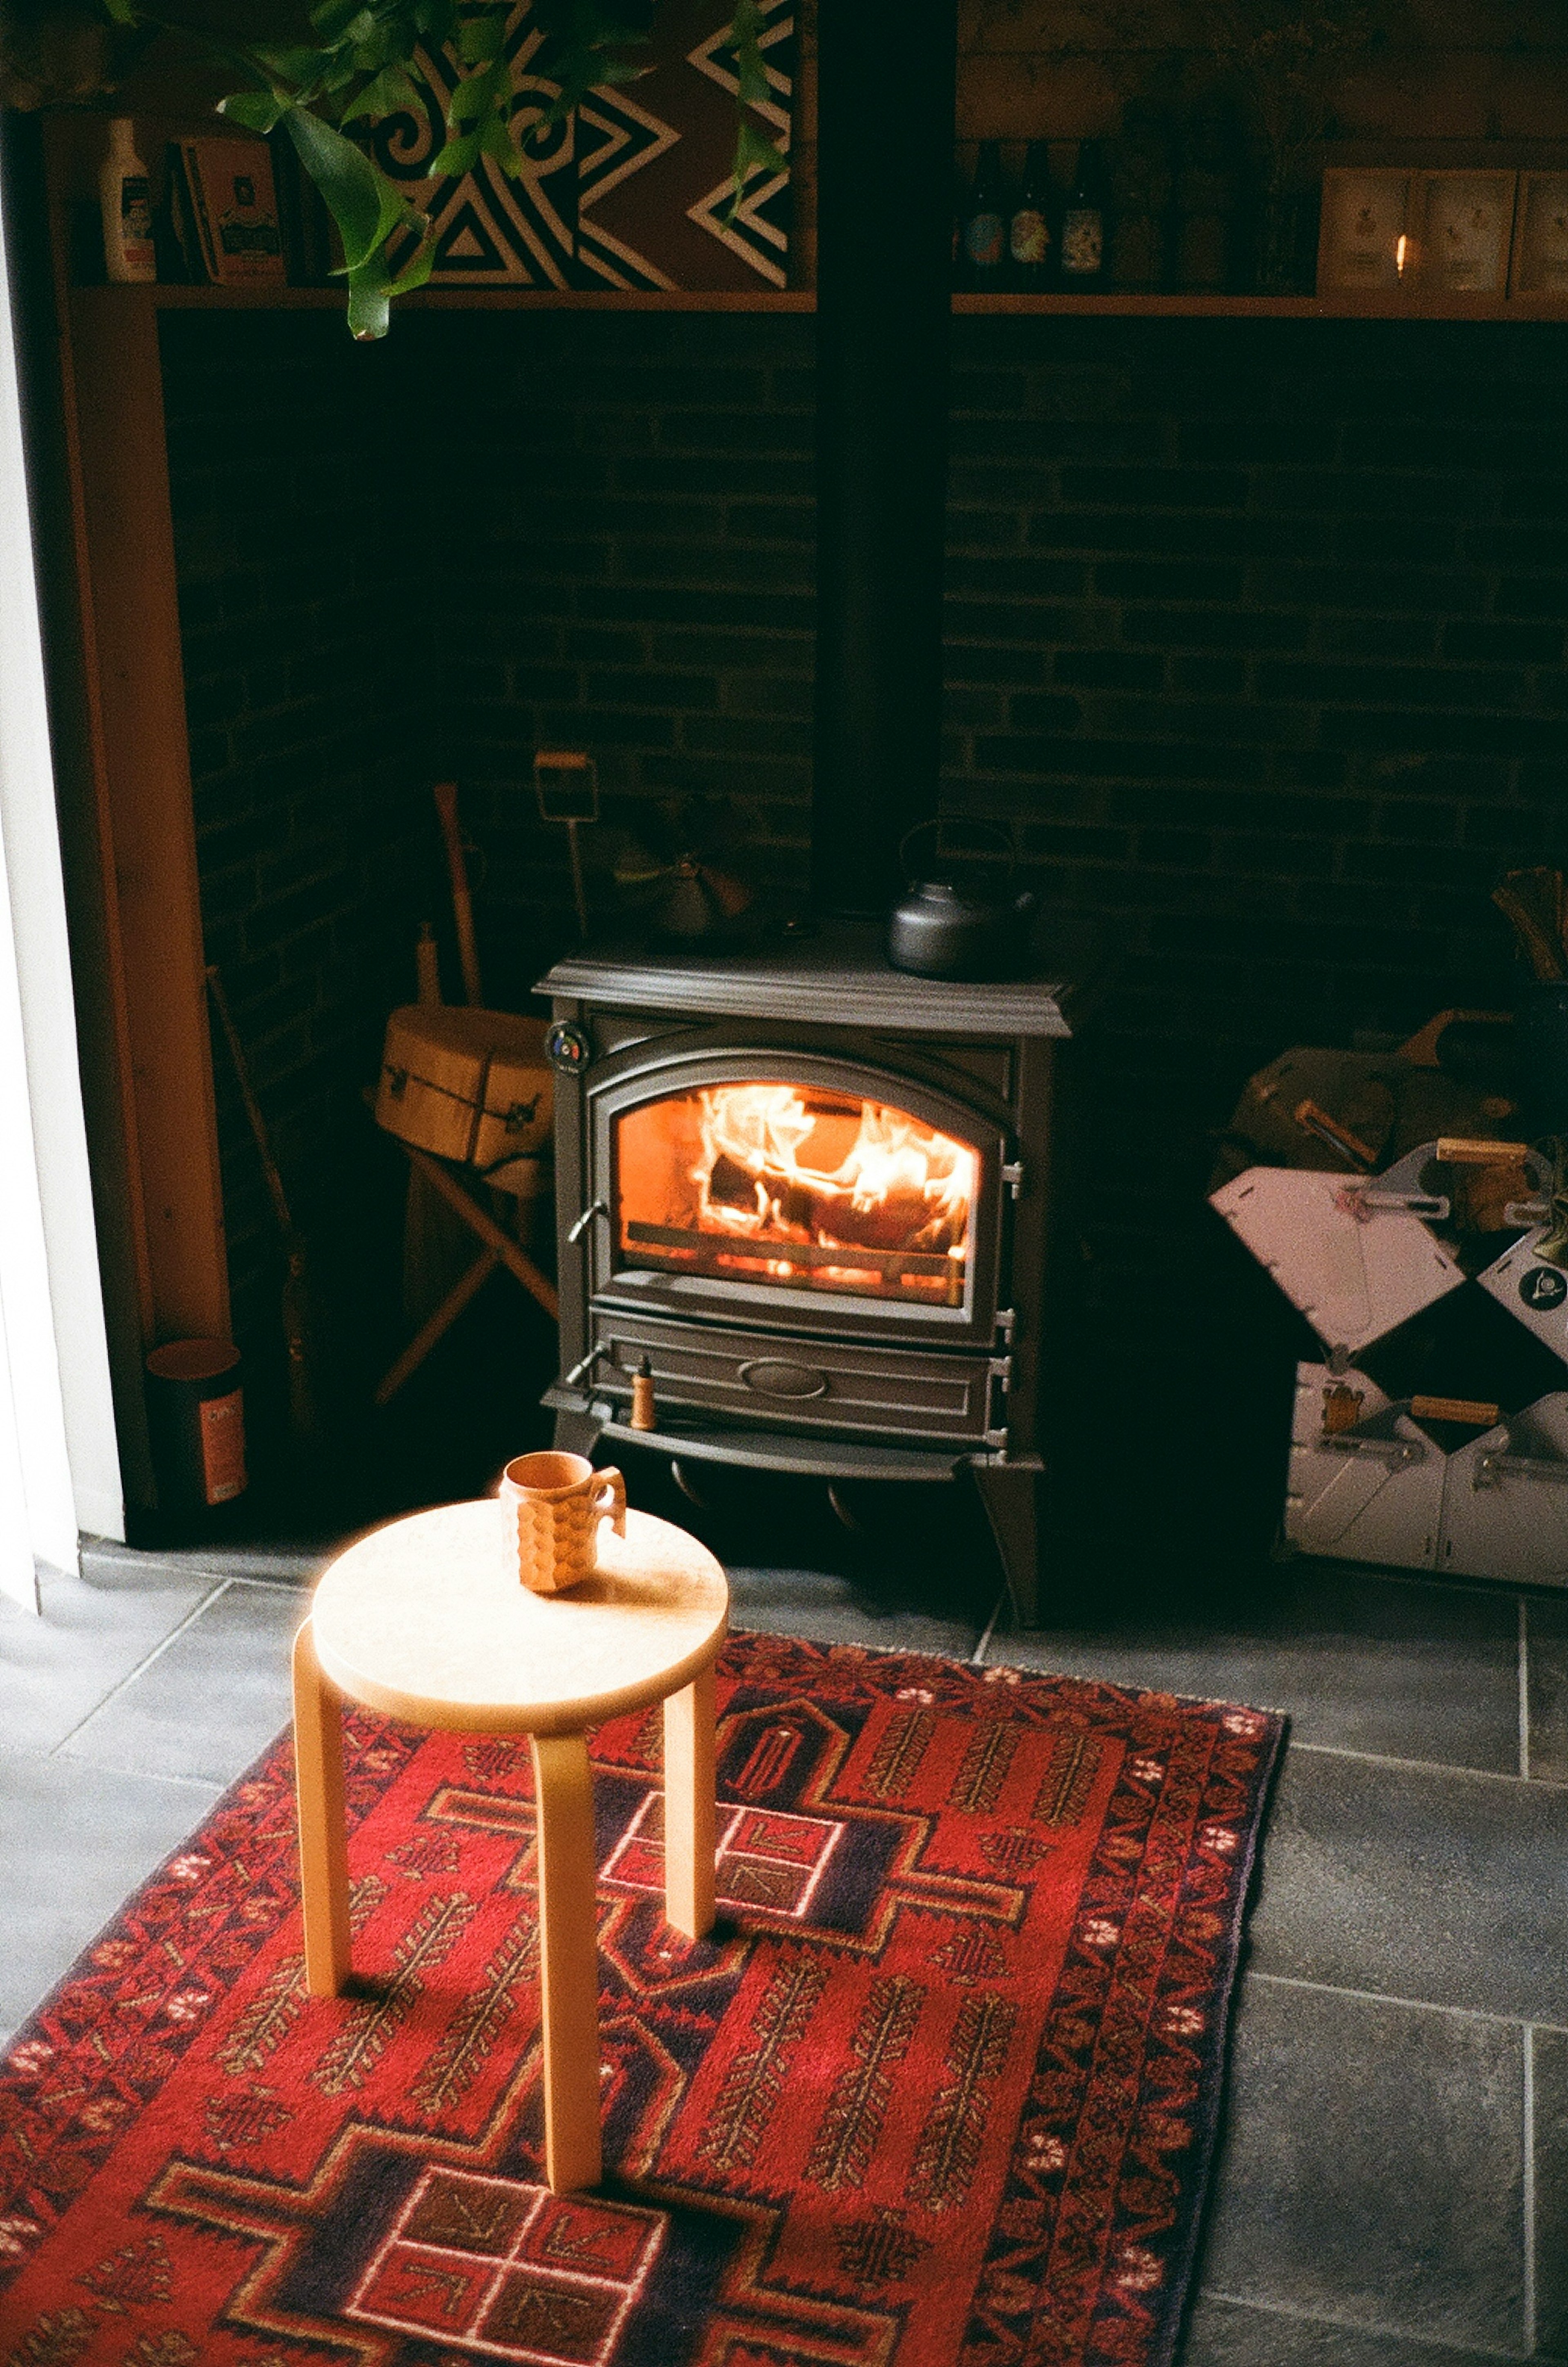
[142, 1665]
[1426, 1766]
[1528, 2166]
[978, 1657]
[1524, 1689]
[1411, 2005]
[1360, 2326]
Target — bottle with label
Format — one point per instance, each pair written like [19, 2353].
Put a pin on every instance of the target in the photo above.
[1083, 249]
[1030, 248]
[984, 223]
[128, 207]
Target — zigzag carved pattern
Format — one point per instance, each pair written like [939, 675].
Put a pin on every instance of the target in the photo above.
[755, 2079]
[847, 2133]
[978, 1783]
[1069, 1780]
[262, 2027]
[360, 2045]
[949, 2150]
[894, 1763]
[455, 2065]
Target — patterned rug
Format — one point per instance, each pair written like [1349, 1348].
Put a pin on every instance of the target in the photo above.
[941, 2087]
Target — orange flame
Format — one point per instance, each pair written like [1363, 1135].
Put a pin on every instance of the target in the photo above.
[893, 1164]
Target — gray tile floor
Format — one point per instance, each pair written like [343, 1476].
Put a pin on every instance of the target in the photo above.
[1393, 2187]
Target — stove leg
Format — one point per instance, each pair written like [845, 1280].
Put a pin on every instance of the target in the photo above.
[576, 1433]
[1007, 1493]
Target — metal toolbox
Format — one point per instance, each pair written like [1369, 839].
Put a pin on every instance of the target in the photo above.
[1381, 1489]
[809, 1384]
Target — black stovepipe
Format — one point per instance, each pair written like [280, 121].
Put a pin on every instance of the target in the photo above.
[883, 270]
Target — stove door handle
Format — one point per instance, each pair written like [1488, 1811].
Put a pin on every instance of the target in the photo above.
[598, 1209]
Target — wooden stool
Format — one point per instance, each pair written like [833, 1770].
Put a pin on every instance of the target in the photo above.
[426, 1620]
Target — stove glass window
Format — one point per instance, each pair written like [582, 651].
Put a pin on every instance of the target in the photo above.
[798, 1186]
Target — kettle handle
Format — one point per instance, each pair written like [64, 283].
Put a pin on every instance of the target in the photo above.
[998, 829]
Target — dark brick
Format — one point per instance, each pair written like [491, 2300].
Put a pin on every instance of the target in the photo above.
[1108, 670]
[1391, 686]
[1155, 489]
[1216, 628]
[1514, 644]
[637, 688]
[1165, 578]
[967, 662]
[1533, 595]
[1111, 759]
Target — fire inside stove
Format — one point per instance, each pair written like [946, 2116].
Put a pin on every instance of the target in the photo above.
[792, 1184]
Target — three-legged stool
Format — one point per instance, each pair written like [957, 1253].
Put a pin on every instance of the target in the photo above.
[426, 1620]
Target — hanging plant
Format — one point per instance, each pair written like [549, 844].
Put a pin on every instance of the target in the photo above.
[357, 68]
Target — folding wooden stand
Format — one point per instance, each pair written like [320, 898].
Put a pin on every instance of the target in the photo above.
[499, 1248]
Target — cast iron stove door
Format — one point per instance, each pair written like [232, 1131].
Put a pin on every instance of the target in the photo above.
[797, 1192]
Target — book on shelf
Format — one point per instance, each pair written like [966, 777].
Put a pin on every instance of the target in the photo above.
[224, 206]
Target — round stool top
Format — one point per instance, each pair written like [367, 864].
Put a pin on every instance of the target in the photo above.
[427, 1620]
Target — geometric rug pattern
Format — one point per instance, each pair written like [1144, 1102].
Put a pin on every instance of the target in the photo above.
[633, 191]
[940, 2090]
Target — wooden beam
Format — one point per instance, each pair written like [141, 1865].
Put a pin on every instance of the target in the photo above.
[132, 631]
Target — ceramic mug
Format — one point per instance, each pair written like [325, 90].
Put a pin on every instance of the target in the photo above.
[554, 1505]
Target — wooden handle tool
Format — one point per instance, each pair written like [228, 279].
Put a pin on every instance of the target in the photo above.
[1459, 1150]
[1314, 1120]
[1474, 1409]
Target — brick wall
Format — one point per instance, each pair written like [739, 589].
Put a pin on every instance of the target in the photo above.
[631, 498]
[304, 718]
[1255, 634]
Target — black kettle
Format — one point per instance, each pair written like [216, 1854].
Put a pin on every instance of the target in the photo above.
[940, 930]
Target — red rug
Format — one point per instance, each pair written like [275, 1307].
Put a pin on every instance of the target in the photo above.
[940, 2089]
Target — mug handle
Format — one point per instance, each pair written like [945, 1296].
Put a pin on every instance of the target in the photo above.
[616, 1504]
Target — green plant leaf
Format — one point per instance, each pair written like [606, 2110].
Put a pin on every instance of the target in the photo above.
[497, 142]
[416, 271]
[332, 18]
[754, 151]
[121, 11]
[361, 201]
[457, 157]
[296, 66]
[370, 298]
[391, 92]
[258, 110]
[481, 40]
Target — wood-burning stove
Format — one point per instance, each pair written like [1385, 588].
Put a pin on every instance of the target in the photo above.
[812, 1194]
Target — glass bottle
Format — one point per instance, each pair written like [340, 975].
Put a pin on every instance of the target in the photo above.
[984, 223]
[1082, 223]
[1140, 189]
[1030, 243]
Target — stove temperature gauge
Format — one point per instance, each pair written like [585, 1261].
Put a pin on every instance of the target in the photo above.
[567, 1047]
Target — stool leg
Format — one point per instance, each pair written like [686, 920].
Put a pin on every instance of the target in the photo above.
[323, 1857]
[568, 1960]
[689, 1818]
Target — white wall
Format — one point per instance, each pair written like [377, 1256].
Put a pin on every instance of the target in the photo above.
[58, 1468]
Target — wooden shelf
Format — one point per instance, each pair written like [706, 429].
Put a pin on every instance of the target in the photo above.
[802, 300]
[484, 300]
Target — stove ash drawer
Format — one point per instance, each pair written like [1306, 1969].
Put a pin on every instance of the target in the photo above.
[814, 1384]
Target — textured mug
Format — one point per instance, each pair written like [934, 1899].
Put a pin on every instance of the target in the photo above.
[554, 1503]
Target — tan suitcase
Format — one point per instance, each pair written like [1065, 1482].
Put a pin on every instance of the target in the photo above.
[469, 1085]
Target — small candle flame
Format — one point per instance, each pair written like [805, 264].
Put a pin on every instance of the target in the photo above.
[1400, 251]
